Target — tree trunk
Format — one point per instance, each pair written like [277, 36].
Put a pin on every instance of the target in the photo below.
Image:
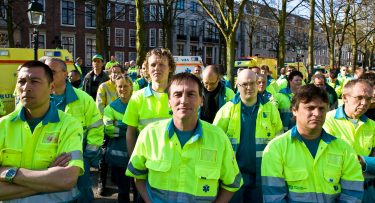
[230, 45]
[140, 33]
[104, 34]
[311, 37]
[339, 52]
[354, 56]
[10, 23]
[99, 26]
[282, 33]
[331, 54]
[169, 31]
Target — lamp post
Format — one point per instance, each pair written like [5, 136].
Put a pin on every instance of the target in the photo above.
[35, 14]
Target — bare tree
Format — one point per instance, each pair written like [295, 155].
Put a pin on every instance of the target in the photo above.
[226, 15]
[140, 44]
[310, 51]
[281, 16]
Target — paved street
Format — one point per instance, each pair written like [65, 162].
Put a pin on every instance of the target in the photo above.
[111, 196]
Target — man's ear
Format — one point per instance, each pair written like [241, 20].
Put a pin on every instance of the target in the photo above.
[294, 111]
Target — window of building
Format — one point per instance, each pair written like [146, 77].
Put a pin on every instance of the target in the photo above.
[109, 35]
[180, 26]
[211, 31]
[132, 13]
[120, 12]
[193, 50]
[180, 4]
[193, 6]
[119, 56]
[161, 38]
[90, 49]
[108, 13]
[257, 42]
[119, 37]
[146, 13]
[152, 37]
[44, 8]
[67, 12]
[132, 56]
[194, 32]
[153, 13]
[180, 49]
[161, 13]
[132, 37]
[41, 40]
[264, 42]
[67, 42]
[90, 16]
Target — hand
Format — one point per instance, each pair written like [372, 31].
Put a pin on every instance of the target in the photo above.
[62, 160]
[362, 162]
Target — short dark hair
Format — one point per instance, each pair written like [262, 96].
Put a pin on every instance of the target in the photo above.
[307, 93]
[180, 77]
[293, 74]
[75, 71]
[370, 77]
[215, 69]
[317, 76]
[333, 74]
[38, 64]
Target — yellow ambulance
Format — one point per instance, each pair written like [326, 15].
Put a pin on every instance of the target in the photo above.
[187, 63]
[11, 58]
[251, 61]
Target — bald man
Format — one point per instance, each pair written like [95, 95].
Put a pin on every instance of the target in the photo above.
[250, 121]
[215, 94]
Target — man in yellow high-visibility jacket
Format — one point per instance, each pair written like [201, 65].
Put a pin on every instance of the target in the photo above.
[349, 123]
[81, 106]
[40, 146]
[306, 164]
[184, 159]
[250, 121]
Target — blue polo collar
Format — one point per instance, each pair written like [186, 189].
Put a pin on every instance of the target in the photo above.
[196, 135]
[52, 115]
[119, 106]
[70, 95]
[148, 90]
[340, 113]
[286, 91]
[260, 99]
[327, 138]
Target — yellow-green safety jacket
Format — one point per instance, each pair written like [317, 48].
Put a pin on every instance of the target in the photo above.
[82, 106]
[291, 174]
[192, 173]
[268, 125]
[106, 94]
[57, 133]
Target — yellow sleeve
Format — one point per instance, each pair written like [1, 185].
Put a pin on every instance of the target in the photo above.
[101, 98]
[108, 120]
[230, 175]
[70, 141]
[137, 164]
[131, 116]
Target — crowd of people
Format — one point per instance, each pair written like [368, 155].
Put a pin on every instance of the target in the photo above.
[188, 137]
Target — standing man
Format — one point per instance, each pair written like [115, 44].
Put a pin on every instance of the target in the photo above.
[349, 123]
[133, 70]
[215, 94]
[81, 106]
[250, 121]
[184, 159]
[144, 80]
[95, 77]
[78, 65]
[111, 63]
[320, 81]
[306, 164]
[150, 103]
[40, 146]
[284, 98]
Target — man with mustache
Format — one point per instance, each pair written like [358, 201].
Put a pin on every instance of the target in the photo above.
[349, 123]
[307, 164]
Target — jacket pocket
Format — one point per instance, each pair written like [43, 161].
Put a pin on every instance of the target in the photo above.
[10, 157]
[45, 155]
[207, 181]
[158, 172]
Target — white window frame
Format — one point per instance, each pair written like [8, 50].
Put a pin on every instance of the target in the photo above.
[117, 44]
[160, 37]
[130, 37]
[151, 32]
[89, 4]
[152, 13]
[39, 41]
[74, 43]
[88, 59]
[74, 14]
[132, 11]
[122, 13]
[130, 56]
[120, 56]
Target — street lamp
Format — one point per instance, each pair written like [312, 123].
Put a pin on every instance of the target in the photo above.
[35, 14]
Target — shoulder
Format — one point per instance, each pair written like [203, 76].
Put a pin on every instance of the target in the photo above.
[82, 95]
[211, 130]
